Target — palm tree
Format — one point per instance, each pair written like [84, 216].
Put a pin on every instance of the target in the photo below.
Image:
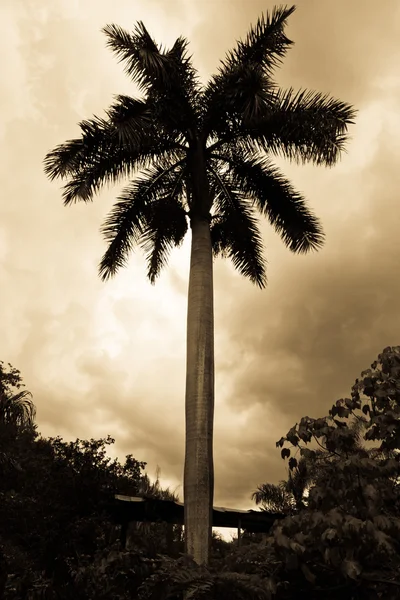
[201, 157]
[274, 497]
[289, 495]
[17, 410]
[17, 415]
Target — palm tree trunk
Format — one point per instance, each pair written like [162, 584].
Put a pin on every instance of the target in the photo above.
[199, 402]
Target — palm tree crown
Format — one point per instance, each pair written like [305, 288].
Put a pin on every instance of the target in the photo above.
[181, 138]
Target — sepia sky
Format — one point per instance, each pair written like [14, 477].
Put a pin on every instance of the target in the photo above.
[109, 358]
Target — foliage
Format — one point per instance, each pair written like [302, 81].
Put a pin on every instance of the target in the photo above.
[156, 538]
[62, 486]
[113, 573]
[347, 538]
[17, 410]
[53, 494]
[17, 427]
[10, 379]
[343, 540]
[173, 578]
[275, 497]
[57, 540]
[289, 495]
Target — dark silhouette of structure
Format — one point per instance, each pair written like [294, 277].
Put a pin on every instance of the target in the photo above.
[126, 509]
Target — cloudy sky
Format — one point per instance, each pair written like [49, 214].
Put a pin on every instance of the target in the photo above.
[109, 358]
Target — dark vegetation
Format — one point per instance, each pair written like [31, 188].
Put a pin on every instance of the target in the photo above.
[340, 537]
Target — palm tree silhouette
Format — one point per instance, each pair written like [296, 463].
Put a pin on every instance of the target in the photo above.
[17, 416]
[200, 156]
[17, 410]
[289, 495]
[16, 406]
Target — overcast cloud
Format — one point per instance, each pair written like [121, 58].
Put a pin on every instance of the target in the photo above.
[109, 358]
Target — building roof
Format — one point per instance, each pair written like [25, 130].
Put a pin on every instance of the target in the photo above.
[134, 508]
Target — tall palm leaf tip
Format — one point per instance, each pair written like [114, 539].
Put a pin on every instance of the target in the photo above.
[116, 256]
[119, 40]
[145, 60]
[144, 36]
[126, 48]
[265, 43]
[257, 56]
[109, 266]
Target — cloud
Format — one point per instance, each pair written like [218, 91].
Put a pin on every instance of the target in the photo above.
[109, 358]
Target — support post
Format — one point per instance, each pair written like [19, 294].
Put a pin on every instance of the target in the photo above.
[239, 533]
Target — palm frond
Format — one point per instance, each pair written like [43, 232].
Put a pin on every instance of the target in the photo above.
[113, 164]
[300, 480]
[183, 72]
[304, 126]
[242, 105]
[273, 497]
[100, 156]
[234, 229]
[166, 227]
[129, 218]
[132, 119]
[68, 158]
[175, 578]
[266, 42]
[166, 77]
[17, 409]
[274, 197]
[64, 159]
[241, 89]
[141, 55]
[75, 157]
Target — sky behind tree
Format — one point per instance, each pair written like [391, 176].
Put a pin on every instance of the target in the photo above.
[109, 358]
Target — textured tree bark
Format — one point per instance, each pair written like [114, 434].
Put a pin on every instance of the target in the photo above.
[199, 402]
